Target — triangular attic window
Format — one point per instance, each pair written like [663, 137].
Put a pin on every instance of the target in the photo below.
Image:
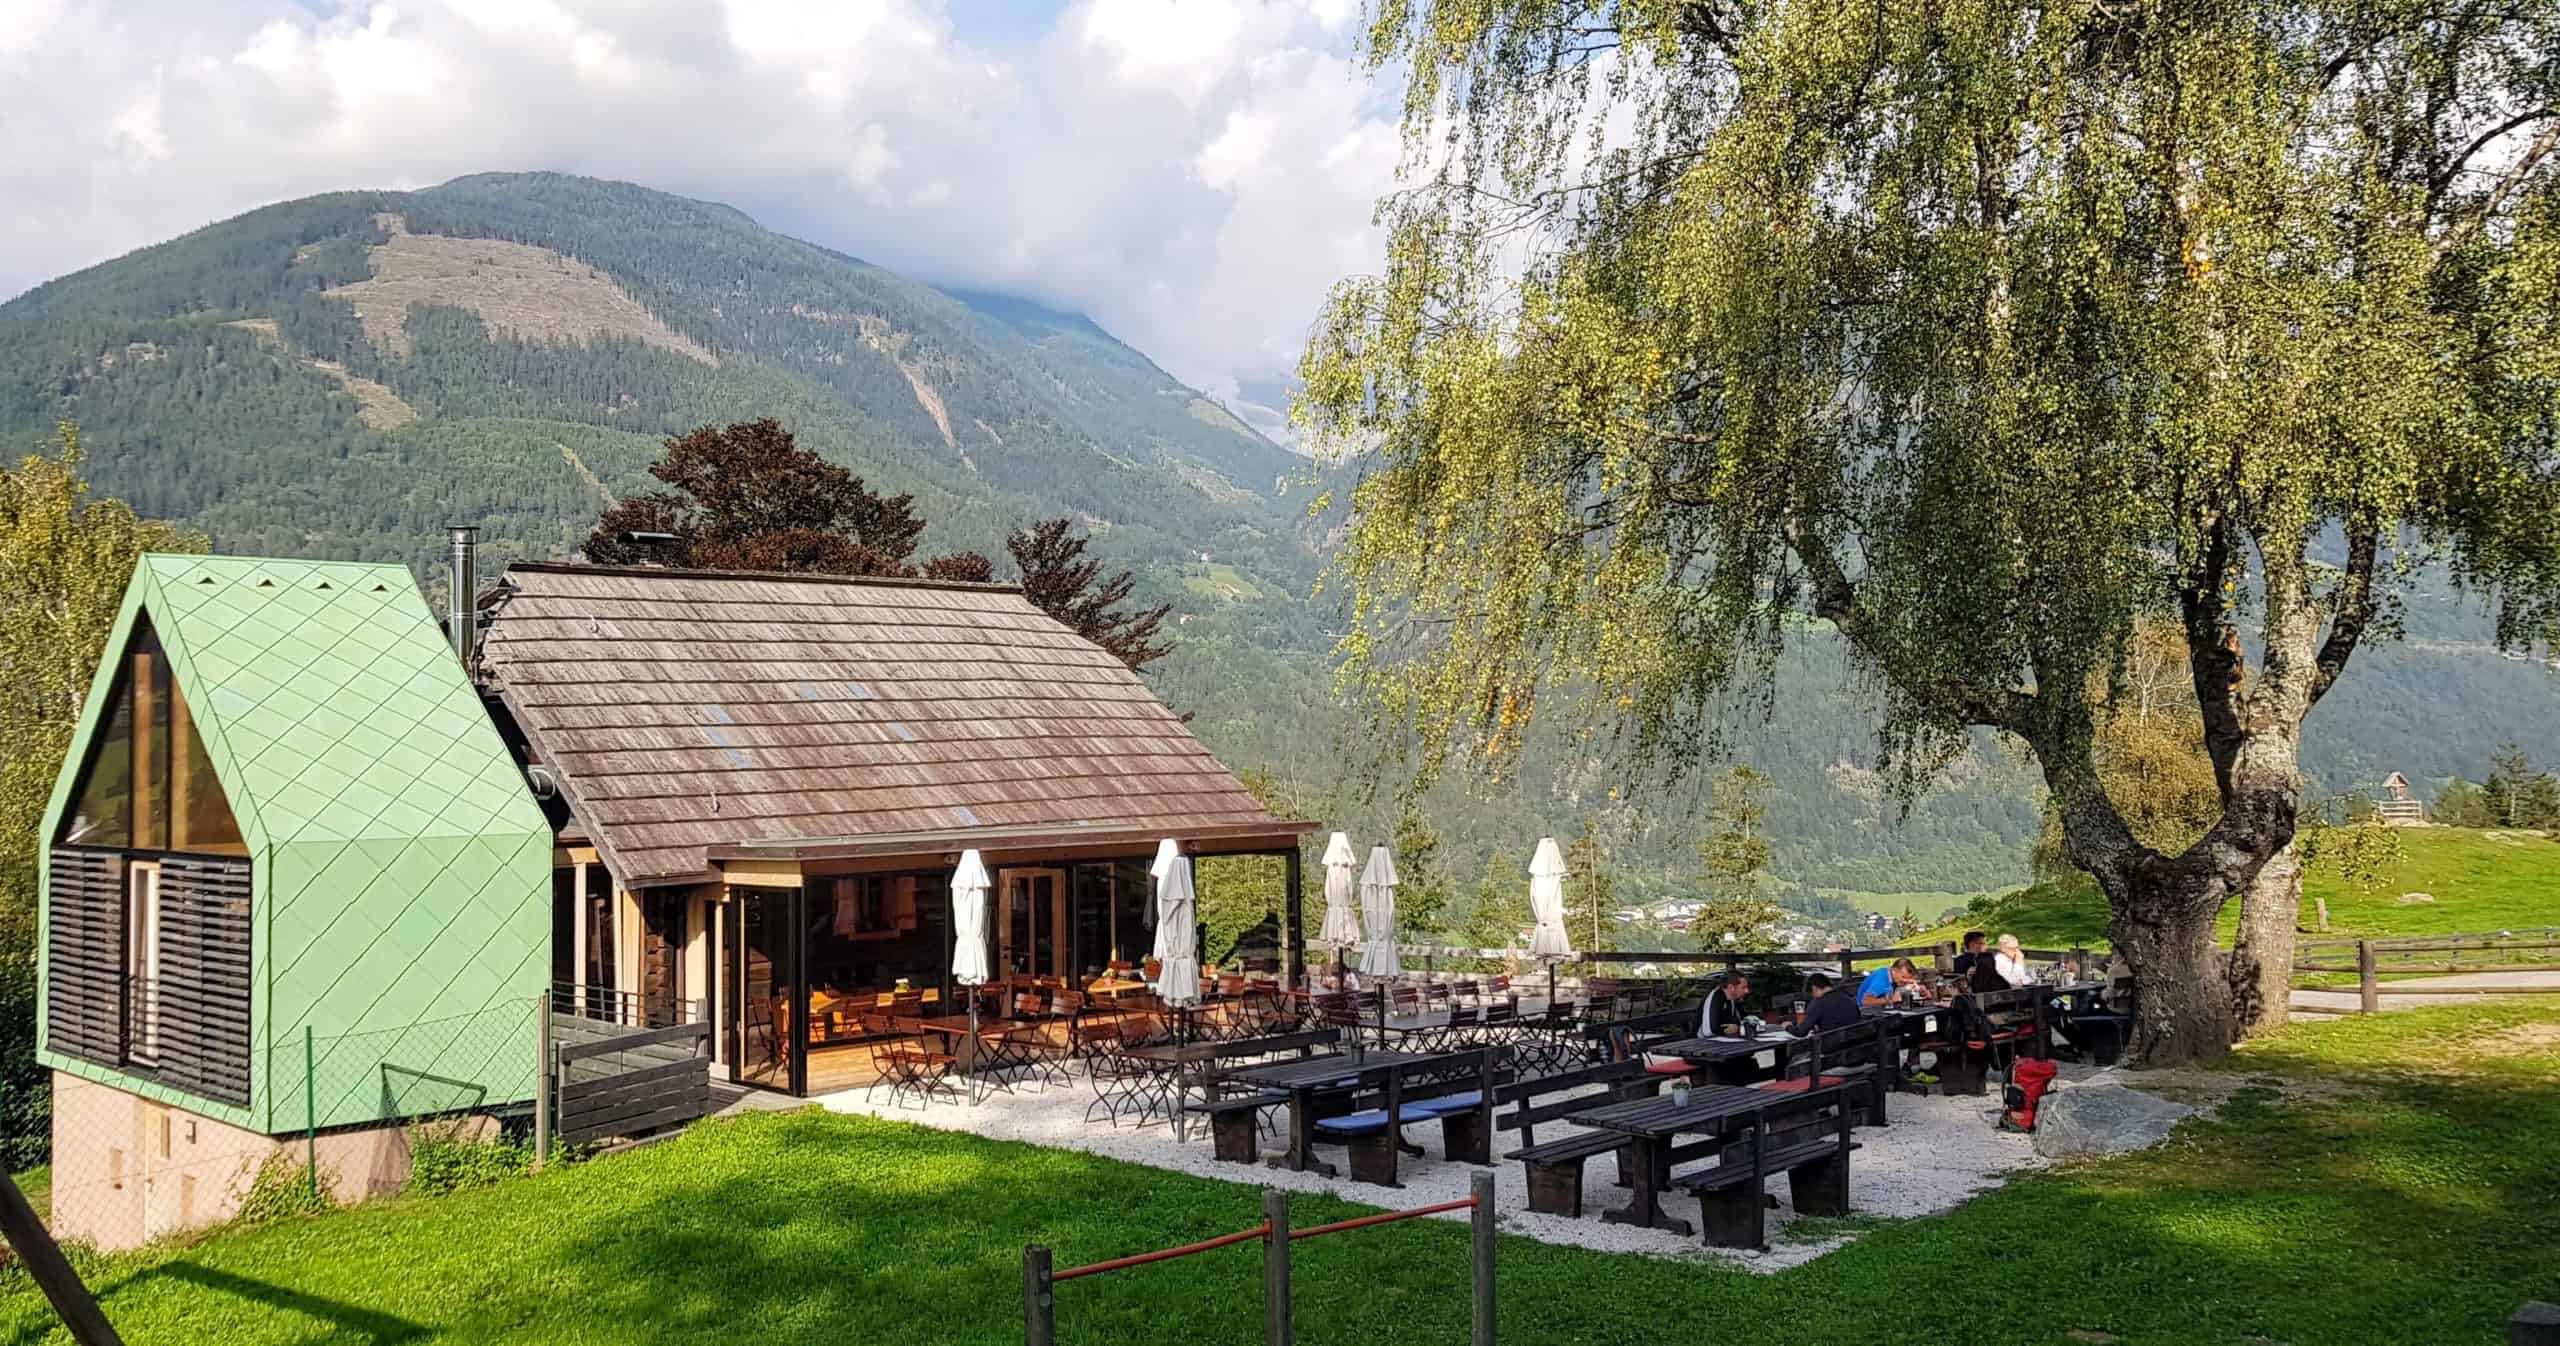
[148, 783]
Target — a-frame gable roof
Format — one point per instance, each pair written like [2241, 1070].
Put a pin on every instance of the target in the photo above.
[329, 702]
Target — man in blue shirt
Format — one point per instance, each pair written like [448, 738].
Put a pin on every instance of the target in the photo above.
[1878, 990]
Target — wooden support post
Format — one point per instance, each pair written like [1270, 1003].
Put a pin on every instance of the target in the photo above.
[2321, 905]
[1848, 968]
[541, 1081]
[1480, 1186]
[1275, 1268]
[1944, 956]
[52, 1274]
[2536, 1324]
[1293, 949]
[311, 1112]
[2368, 986]
[1039, 1299]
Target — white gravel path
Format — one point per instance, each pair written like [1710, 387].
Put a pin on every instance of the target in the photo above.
[1938, 1152]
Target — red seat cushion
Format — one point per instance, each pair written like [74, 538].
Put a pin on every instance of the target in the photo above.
[1668, 1068]
[1794, 1086]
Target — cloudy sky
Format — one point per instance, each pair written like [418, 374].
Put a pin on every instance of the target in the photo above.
[1192, 173]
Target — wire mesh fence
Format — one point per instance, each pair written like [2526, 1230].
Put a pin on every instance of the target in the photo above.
[329, 1120]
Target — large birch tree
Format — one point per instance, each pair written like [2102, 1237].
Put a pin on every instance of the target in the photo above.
[1977, 331]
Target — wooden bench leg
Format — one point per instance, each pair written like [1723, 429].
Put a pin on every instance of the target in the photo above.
[1820, 1188]
[1556, 1189]
[1373, 1158]
[1463, 1138]
[1235, 1136]
[1732, 1217]
[1960, 1072]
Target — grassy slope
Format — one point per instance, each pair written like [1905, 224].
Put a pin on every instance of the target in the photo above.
[2391, 1203]
[2478, 884]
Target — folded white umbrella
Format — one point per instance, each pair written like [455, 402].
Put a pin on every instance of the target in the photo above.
[1546, 902]
[1177, 945]
[1341, 895]
[969, 884]
[1378, 916]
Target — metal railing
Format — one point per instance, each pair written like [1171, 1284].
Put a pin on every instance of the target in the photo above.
[1039, 1282]
[630, 1009]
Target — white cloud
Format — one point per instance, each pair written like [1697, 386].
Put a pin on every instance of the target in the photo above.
[1192, 173]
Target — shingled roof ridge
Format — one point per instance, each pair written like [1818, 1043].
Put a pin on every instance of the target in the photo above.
[789, 576]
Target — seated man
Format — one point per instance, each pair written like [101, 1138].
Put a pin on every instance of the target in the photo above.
[1881, 987]
[1722, 1015]
[1974, 944]
[1825, 1011]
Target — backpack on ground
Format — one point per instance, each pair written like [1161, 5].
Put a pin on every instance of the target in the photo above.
[2030, 1079]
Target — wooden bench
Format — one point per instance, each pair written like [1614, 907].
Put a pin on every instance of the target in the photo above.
[1732, 1195]
[1443, 1088]
[1858, 1054]
[1554, 1169]
[1235, 1118]
[1990, 1027]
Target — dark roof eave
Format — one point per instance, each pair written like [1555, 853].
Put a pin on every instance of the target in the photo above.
[1277, 832]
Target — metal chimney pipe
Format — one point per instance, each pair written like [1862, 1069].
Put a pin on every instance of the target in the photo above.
[462, 588]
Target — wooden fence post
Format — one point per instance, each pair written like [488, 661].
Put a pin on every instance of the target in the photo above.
[2368, 986]
[48, 1269]
[1275, 1268]
[1480, 1186]
[1944, 955]
[541, 1080]
[1848, 968]
[1039, 1306]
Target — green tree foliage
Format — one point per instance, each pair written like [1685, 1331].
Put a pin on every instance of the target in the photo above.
[1060, 580]
[64, 561]
[1590, 893]
[1734, 910]
[1498, 914]
[2517, 795]
[1422, 888]
[1977, 332]
[1239, 892]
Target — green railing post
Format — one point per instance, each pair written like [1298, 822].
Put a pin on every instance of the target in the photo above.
[311, 1113]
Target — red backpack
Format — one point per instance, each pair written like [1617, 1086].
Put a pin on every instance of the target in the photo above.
[2029, 1078]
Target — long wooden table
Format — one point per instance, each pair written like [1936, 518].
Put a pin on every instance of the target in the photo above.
[1307, 1077]
[1652, 1124]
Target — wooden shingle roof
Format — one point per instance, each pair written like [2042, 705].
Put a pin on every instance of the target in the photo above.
[688, 713]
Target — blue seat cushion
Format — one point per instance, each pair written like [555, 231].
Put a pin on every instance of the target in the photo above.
[1434, 1107]
[1357, 1123]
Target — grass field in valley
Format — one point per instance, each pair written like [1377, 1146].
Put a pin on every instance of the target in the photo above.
[2478, 880]
[2387, 1179]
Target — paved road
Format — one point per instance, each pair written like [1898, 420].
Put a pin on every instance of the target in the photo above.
[2411, 994]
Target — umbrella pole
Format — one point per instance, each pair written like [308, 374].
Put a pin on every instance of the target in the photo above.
[973, 1046]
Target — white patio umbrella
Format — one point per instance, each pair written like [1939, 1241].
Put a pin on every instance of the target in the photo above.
[969, 933]
[1546, 902]
[1177, 943]
[1341, 894]
[1378, 916]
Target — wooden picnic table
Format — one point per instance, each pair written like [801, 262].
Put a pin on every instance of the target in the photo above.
[1718, 1110]
[1306, 1077]
[1735, 1059]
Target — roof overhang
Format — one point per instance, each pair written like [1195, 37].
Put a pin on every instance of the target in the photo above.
[1010, 843]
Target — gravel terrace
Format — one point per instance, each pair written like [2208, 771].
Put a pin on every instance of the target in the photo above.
[1938, 1152]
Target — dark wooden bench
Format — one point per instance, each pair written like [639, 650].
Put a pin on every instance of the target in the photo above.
[1554, 1169]
[1732, 1195]
[1386, 1099]
[1860, 1054]
[1235, 1117]
[1991, 1027]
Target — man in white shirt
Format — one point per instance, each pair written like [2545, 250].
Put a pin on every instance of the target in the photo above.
[2012, 962]
[1722, 1015]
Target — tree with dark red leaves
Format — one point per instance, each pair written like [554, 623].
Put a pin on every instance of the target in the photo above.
[749, 498]
[1061, 582]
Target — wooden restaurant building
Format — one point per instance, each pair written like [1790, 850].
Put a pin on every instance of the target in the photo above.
[761, 783]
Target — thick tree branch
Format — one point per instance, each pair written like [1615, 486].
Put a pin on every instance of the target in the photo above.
[2213, 651]
[2354, 611]
[2508, 182]
[1835, 600]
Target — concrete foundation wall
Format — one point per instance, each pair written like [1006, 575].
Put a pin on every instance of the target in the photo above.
[127, 1169]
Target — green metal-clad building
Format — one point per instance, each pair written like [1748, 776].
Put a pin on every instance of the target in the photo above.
[287, 825]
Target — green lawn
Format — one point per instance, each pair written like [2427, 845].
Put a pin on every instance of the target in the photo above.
[2396, 1201]
[2478, 883]
[37, 1184]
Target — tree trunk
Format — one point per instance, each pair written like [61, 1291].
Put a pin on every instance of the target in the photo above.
[2164, 928]
[2262, 954]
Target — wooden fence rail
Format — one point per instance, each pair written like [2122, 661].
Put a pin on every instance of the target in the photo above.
[2495, 951]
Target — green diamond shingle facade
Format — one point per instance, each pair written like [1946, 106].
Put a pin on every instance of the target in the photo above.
[400, 870]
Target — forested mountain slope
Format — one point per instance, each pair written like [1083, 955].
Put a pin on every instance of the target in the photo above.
[346, 374]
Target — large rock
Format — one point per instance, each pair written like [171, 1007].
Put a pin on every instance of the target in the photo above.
[2102, 1116]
